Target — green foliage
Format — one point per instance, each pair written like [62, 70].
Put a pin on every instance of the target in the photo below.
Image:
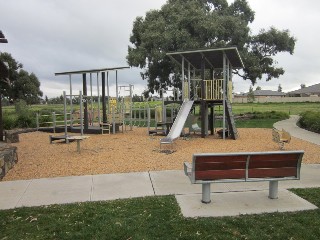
[154, 218]
[310, 120]
[25, 117]
[22, 85]
[9, 122]
[270, 115]
[189, 24]
[250, 95]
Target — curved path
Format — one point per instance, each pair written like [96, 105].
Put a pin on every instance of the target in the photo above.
[290, 125]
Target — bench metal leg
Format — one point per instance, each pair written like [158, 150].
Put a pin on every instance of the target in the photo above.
[206, 193]
[273, 189]
[78, 145]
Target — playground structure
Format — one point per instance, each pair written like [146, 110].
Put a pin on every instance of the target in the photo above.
[213, 88]
[109, 112]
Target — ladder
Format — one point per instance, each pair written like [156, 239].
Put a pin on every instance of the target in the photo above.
[232, 125]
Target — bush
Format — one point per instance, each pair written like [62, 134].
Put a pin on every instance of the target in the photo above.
[25, 117]
[310, 120]
[270, 115]
[9, 122]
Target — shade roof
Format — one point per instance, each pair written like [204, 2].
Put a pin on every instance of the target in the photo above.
[214, 57]
[90, 71]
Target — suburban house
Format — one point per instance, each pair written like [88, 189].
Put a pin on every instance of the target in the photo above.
[312, 91]
[262, 94]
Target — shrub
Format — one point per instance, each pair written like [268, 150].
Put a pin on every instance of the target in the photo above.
[25, 117]
[9, 122]
[270, 115]
[310, 120]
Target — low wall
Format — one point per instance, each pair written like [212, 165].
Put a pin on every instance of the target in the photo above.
[278, 99]
[8, 158]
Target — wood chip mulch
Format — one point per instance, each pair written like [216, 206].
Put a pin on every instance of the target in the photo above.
[133, 151]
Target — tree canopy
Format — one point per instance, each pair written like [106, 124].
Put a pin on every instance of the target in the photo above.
[21, 85]
[192, 24]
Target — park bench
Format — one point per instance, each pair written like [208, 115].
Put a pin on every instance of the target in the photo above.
[207, 168]
[281, 137]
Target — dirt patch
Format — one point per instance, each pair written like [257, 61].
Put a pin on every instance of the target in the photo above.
[133, 151]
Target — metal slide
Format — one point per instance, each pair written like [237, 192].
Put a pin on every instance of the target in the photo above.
[178, 124]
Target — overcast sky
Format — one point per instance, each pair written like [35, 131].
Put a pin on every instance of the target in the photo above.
[68, 35]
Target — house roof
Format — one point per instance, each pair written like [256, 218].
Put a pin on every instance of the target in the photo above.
[264, 93]
[213, 57]
[311, 89]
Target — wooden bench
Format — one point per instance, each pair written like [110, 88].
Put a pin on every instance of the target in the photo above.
[281, 137]
[207, 168]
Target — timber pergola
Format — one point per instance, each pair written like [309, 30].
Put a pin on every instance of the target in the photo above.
[84, 73]
[224, 59]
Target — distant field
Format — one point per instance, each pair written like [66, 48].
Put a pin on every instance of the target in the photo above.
[238, 108]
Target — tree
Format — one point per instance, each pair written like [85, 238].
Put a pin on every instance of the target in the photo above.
[191, 24]
[279, 88]
[258, 88]
[22, 85]
[302, 85]
[250, 96]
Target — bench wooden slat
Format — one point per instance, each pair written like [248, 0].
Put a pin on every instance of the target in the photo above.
[220, 174]
[222, 159]
[220, 165]
[272, 172]
[292, 156]
[273, 163]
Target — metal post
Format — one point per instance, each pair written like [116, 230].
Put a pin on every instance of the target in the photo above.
[98, 90]
[224, 96]
[37, 121]
[203, 97]
[183, 90]
[189, 81]
[117, 88]
[273, 189]
[71, 104]
[65, 113]
[86, 123]
[131, 86]
[104, 108]
[149, 118]
[81, 112]
[113, 121]
[91, 99]
[54, 122]
[206, 193]
[108, 95]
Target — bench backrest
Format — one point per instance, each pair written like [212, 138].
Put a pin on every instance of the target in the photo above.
[246, 166]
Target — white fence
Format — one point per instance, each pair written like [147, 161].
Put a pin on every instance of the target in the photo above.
[278, 99]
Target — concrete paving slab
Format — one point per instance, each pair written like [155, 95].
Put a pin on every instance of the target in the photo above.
[59, 190]
[172, 182]
[125, 185]
[238, 203]
[11, 192]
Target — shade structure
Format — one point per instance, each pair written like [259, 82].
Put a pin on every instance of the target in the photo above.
[213, 57]
[90, 71]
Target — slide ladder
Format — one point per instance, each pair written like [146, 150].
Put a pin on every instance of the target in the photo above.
[179, 122]
[232, 125]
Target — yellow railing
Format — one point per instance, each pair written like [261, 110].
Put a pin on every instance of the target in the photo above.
[213, 88]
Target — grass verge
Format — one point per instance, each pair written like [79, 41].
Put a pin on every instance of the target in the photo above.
[154, 218]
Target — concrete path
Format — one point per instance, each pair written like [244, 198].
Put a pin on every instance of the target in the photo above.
[228, 199]
[46, 191]
[290, 125]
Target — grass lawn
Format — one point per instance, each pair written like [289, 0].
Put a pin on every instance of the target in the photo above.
[154, 218]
